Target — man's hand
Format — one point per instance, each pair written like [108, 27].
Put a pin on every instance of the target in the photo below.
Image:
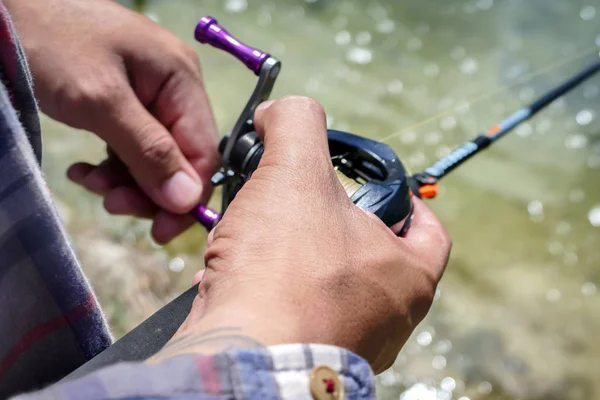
[101, 67]
[295, 261]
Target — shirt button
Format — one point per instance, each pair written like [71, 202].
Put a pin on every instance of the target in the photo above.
[325, 384]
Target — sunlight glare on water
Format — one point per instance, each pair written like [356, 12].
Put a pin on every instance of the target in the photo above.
[424, 338]
[343, 38]
[469, 66]
[448, 384]
[236, 6]
[587, 13]
[594, 216]
[359, 55]
[589, 289]
[584, 117]
[414, 44]
[576, 141]
[395, 87]
[177, 264]
[386, 26]
[419, 392]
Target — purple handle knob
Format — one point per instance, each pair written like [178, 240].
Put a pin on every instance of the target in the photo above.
[206, 217]
[209, 31]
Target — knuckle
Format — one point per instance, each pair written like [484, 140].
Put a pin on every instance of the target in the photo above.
[190, 54]
[441, 236]
[187, 58]
[160, 149]
[443, 250]
[101, 92]
[93, 99]
[430, 281]
[423, 285]
[424, 294]
[187, 51]
[447, 243]
[427, 280]
[304, 103]
[87, 95]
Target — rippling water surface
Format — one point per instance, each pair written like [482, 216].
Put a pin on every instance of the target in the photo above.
[516, 316]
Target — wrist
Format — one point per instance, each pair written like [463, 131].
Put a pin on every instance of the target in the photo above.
[240, 324]
[259, 326]
[209, 342]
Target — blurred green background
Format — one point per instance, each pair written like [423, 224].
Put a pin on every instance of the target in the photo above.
[516, 316]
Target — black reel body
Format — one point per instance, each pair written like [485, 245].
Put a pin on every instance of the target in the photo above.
[371, 173]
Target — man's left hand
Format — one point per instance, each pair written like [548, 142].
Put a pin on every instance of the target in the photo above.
[101, 67]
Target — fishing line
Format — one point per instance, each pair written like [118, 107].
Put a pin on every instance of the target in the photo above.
[501, 89]
[458, 156]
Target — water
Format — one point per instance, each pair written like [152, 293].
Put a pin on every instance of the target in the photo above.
[516, 313]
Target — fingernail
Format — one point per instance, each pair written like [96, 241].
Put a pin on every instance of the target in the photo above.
[181, 191]
[264, 105]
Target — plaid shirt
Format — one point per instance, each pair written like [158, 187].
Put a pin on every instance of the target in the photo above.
[50, 321]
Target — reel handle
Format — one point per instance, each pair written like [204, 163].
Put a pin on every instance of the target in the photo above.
[207, 217]
[209, 31]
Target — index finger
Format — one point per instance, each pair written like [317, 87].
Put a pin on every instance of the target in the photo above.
[184, 108]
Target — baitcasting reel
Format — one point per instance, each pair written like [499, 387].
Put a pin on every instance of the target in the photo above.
[370, 172]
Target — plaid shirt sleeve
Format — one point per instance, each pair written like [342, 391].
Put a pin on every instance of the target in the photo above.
[276, 372]
[50, 320]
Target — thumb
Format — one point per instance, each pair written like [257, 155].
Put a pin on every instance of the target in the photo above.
[151, 155]
[294, 132]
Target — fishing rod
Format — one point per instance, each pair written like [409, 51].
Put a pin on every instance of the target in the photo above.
[428, 179]
[370, 172]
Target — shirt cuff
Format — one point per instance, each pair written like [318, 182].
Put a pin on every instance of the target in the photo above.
[290, 371]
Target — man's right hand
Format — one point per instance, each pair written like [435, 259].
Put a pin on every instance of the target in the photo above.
[295, 261]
